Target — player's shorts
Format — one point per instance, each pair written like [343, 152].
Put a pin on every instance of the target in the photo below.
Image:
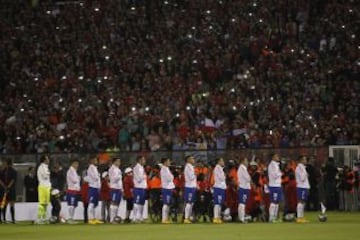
[275, 194]
[93, 196]
[44, 194]
[302, 194]
[243, 195]
[219, 196]
[72, 199]
[190, 195]
[115, 196]
[139, 196]
[166, 195]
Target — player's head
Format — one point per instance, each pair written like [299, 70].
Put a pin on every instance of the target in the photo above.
[141, 160]
[302, 159]
[244, 161]
[45, 159]
[275, 157]
[220, 161]
[190, 159]
[116, 162]
[166, 162]
[75, 163]
[93, 160]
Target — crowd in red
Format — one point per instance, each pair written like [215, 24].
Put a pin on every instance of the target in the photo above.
[138, 75]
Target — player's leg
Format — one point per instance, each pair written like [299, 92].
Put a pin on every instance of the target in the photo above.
[129, 208]
[115, 196]
[218, 200]
[302, 195]
[275, 197]
[93, 202]
[136, 209]
[72, 201]
[243, 197]
[189, 196]
[166, 197]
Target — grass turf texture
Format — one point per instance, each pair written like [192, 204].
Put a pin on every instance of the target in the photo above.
[339, 226]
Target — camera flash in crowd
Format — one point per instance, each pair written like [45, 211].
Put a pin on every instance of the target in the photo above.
[252, 87]
[79, 100]
[315, 126]
[18, 138]
[63, 77]
[111, 99]
[178, 115]
[161, 60]
[251, 103]
[107, 57]
[353, 36]
[166, 2]
[147, 109]
[188, 108]
[36, 79]
[63, 109]
[96, 9]
[133, 109]
[22, 110]
[25, 96]
[61, 137]
[169, 58]
[81, 77]
[234, 108]
[232, 90]
[105, 77]
[350, 10]
[260, 20]
[61, 100]
[99, 81]
[194, 61]
[208, 11]
[193, 27]
[292, 50]
[104, 47]
[48, 12]
[210, 27]
[250, 14]
[343, 26]
[233, 19]
[189, 36]
[254, 4]
[81, 4]
[132, 8]
[271, 132]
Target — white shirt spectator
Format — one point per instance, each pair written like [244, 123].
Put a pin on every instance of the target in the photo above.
[190, 177]
[219, 177]
[274, 174]
[243, 177]
[139, 176]
[115, 177]
[93, 177]
[167, 178]
[73, 179]
[43, 175]
[301, 176]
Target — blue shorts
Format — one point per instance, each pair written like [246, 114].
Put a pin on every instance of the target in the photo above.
[243, 195]
[219, 196]
[115, 196]
[72, 199]
[93, 196]
[190, 195]
[302, 194]
[139, 196]
[275, 194]
[166, 196]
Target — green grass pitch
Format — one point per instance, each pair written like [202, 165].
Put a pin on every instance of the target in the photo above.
[340, 226]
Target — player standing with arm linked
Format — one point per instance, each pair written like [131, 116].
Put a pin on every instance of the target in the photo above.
[302, 188]
[190, 187]
[167, 188]
[274, 174]
[219, 189]
[140, 186]
[93, 178]
[244, 188]
[116, 187]
[43, 174]
[73, 189]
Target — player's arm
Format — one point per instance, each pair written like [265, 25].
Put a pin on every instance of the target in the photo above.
[93, 174]
[139, 176]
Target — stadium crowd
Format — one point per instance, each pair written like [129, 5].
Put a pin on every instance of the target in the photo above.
[135, 75]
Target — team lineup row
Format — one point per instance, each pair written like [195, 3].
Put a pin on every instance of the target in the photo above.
[218, 183]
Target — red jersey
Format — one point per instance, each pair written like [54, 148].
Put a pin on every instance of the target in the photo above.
[85, 192]
[128, 186]
[105, 190]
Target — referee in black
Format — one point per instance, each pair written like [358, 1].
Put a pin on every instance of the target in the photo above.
[7, 190]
